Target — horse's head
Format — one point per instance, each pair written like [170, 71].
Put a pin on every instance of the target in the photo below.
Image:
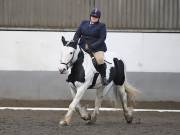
[67, 55]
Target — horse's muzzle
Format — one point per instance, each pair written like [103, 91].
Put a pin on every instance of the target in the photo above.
[62, 71]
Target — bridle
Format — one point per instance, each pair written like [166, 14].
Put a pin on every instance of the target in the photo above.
[69, 63]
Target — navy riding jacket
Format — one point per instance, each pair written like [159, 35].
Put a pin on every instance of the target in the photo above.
[92, 34]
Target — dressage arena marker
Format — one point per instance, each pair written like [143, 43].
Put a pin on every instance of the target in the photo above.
[66, 109]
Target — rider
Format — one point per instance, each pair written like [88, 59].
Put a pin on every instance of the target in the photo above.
[92, 35]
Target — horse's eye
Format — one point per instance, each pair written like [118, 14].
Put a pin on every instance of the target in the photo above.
[71, 52]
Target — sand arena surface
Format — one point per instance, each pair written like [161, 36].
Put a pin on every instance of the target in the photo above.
[27, 122]
[46, 123]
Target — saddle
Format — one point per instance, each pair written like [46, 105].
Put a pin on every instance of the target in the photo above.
[94, 60]
[96, 67]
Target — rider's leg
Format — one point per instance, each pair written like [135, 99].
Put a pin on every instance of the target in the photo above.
[99, 56]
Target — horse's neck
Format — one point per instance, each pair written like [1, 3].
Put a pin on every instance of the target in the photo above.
[80, 54]
[76, 54]
[82, 60]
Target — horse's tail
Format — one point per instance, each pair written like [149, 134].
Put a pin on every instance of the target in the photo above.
[132, 92]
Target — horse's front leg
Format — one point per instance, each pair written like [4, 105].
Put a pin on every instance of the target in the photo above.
[80, 92]
[82, 111]
[98, 101]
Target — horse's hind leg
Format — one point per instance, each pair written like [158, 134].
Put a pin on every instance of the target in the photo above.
[98, 101]
[127, 111]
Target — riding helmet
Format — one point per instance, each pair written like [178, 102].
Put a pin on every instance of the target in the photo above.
[96, 12]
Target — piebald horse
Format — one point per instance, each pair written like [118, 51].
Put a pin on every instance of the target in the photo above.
[82, 75]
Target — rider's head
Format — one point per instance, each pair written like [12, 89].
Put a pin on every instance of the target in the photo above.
[95, 15]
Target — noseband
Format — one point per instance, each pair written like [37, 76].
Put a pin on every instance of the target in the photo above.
[69, 63]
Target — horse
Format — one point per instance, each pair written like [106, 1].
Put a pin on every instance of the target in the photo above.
[82, 75]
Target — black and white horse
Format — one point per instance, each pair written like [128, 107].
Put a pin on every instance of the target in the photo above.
[82, 75]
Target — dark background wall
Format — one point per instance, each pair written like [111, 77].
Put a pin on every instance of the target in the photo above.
[158, 15]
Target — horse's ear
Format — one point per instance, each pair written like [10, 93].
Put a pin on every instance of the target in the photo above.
[63, 40]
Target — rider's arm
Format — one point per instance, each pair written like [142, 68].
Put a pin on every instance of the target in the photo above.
[78, 33]
[101, 39]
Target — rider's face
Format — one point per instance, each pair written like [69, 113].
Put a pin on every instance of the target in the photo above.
[94, 19]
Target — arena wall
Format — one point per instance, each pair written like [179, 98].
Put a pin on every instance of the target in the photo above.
[29, 64]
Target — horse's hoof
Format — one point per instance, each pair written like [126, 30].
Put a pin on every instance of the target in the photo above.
[63, 123]
[86, 118]
[92, 120]
[129, 119]
[89, 122]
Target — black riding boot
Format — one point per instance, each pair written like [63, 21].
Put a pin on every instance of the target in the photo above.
[102, 71]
